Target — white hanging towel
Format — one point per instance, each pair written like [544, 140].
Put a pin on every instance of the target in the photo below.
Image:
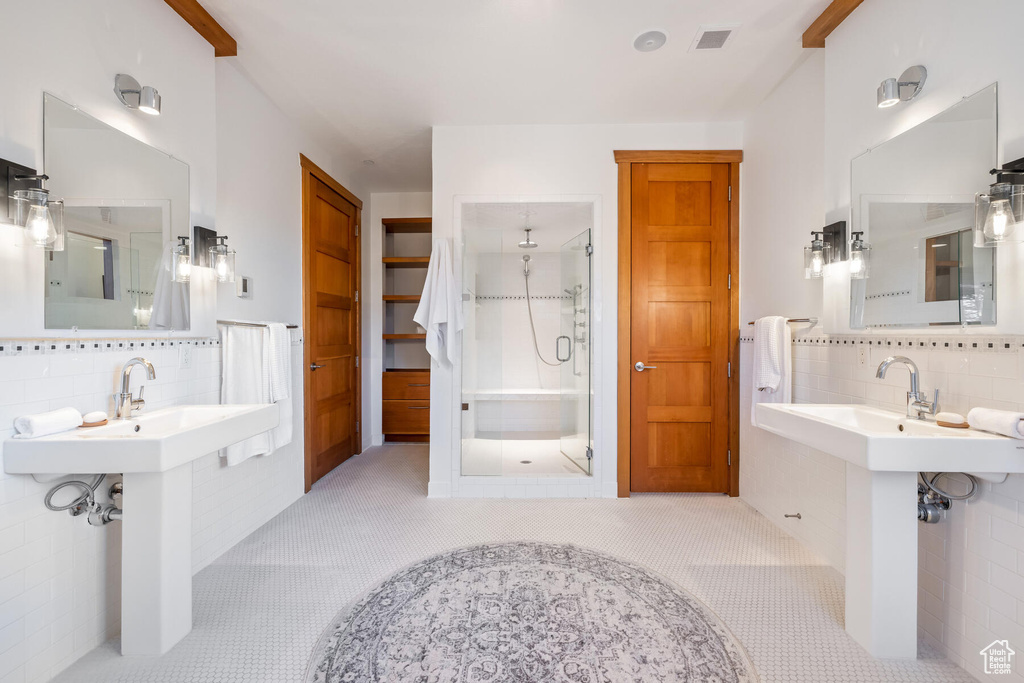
[773, 363]
[245, 379]
[171, 309]
[440, 309]
[278, 362]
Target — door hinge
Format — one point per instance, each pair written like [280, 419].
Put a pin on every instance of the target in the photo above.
[357, 426]
[729, 458]
[357, 361]
[357, 225]
[730, 193]
[590, 249]
[729, 370]
[357, 296]
[730, 281]
[590, 453]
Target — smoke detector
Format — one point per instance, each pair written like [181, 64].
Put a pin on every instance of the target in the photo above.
[714, 37]
[649, 41]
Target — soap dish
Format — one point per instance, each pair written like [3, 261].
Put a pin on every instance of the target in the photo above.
[85, 425]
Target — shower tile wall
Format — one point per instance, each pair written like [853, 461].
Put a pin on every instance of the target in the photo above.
[59, 576]
[971, 564]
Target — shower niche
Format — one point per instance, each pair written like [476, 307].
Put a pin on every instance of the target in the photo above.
[527, 343]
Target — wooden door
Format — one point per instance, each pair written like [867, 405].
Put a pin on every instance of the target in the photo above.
[680, 320]
[331, 321]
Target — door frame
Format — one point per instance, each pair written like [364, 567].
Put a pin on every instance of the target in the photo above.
[625, 160]
[309, 172]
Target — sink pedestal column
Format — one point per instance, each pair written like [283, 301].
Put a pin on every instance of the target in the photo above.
[156, 560]
[881, 561]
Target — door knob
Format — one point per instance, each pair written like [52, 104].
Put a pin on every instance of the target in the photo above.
[313, 367]
[640, 367]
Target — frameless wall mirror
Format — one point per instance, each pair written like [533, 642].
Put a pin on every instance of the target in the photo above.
[125, 205]
[913, 197]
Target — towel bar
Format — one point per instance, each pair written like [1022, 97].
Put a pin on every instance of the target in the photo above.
[812, 321]
[241, 324]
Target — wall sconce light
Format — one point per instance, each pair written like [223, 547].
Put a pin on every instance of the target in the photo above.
[42, 217]
[816, 256]
[223, 260]
[134, 96]
[892, 91]
[860, 257]
[998, 213]
[181, 261]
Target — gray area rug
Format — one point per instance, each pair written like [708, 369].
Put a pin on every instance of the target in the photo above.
[528, 612]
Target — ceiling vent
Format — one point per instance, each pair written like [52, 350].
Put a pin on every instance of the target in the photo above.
[713, 37]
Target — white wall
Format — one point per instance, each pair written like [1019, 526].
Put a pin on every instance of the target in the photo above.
[971, 578]
[506, 162]
[382, 205]
[59, 577]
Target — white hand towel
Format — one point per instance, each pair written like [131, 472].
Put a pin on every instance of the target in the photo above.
[279, 359]
[1005, 422]
[44, 424]
[772, 363]
[440, 308]
[244, 380]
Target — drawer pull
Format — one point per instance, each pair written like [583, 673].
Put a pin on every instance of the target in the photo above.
[418, 385]
[418, 407]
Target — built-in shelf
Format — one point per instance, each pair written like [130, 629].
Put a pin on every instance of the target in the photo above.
[406, 261]
[409, 298]
[396, 225]
[404, 337]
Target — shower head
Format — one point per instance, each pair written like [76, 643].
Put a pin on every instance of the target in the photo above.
[527, 243]
[526, 265]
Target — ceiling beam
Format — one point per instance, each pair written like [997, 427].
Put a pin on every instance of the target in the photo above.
[206, 26]
[827, 22]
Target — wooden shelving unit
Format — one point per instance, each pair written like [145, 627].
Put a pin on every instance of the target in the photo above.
[406, 390]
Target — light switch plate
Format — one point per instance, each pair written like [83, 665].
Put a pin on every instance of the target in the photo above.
[243, 286]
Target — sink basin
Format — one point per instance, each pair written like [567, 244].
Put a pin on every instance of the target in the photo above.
[880, 440]
[149, 442]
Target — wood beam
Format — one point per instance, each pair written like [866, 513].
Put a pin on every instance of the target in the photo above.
[827, 22]
[206, 26]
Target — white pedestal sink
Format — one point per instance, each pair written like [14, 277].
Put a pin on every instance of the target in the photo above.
[154, 452]
[884, 451]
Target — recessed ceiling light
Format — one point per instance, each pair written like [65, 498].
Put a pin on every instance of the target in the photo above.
[649, 41]
[368, 162]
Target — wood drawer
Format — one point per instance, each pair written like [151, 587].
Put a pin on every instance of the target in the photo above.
[406, 417]
[407, 385]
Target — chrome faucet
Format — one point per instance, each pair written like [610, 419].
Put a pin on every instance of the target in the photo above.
[123, 402]
[917, 405]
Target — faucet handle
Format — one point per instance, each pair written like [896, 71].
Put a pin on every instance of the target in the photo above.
[142, 391]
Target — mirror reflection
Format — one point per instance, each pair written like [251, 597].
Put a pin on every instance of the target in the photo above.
[913, 197]
[125, 205]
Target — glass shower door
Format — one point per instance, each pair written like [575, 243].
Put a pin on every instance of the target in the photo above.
[573, 347]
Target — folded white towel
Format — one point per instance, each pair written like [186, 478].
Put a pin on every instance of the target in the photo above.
[244, 379]
[773, 363]
[1005, 422]
[279, 358]
[44, 424]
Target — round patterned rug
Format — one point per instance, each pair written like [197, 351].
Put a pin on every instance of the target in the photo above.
[527, 612]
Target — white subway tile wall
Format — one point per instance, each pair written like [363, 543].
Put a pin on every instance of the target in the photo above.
[971, 564]
[59, 576]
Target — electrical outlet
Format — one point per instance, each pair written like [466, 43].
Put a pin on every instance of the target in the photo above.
[862, 355]
[184, 356]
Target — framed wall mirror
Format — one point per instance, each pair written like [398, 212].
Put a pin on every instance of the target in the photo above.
[125, 205]
[913, 197]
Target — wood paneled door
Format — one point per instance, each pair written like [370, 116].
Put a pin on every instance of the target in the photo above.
[330, 295]
[681, 327]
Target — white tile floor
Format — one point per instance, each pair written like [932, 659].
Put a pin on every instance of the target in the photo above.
[260, 608]
[516, 458]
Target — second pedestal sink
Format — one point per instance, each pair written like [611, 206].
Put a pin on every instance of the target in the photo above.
[884, 451]
[154, 452]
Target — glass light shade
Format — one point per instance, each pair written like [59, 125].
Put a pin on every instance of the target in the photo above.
[42, 219]
[999, 224]
[815, 258]
[39, 226]
[998, 214]
[860, 261]
[181, 263]
[223, 263]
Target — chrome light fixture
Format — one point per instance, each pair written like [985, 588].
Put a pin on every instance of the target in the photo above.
[42, 217]
[181, 261]
[860, 257]
[892, 91]
[223, 260]
[816, 256]
[997, 214]
[145, 98]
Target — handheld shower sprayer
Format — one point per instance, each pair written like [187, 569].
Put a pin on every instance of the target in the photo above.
[526, 265]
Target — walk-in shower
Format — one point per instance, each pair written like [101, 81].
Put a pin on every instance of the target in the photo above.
[526, 389]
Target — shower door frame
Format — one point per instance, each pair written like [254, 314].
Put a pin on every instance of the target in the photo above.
[625, 160]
